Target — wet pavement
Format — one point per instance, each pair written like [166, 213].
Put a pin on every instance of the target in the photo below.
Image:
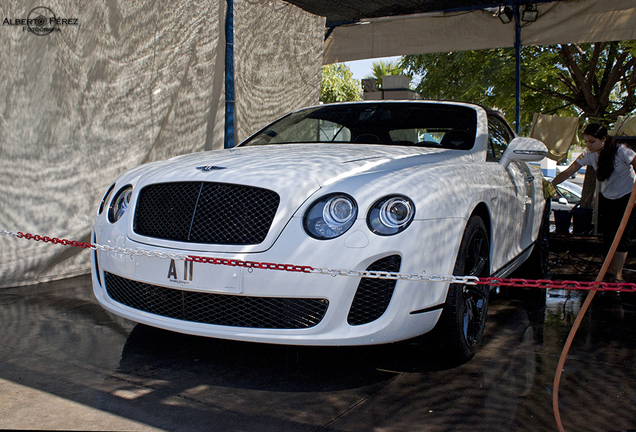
[65, 363]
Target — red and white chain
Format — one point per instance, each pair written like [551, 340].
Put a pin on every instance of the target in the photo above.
[420, 277]
[471, 280]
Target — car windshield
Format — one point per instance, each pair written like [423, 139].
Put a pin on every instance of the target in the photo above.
[403, 124]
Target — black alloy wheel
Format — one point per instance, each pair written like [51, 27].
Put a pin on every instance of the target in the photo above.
[463, 318]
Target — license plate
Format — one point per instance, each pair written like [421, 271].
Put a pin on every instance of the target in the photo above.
[189, 274]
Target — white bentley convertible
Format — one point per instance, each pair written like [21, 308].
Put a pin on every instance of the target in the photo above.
[402, 187]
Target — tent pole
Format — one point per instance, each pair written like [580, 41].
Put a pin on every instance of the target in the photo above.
[228, 139]
[517, 67]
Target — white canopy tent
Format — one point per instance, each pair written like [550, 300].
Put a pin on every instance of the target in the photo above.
[574, 21]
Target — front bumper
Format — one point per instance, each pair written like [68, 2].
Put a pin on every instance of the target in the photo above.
[272, 306]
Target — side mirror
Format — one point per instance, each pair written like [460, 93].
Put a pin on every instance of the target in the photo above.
[523, 149]
[563, 201]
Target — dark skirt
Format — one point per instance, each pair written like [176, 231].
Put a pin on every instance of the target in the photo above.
[610, 214]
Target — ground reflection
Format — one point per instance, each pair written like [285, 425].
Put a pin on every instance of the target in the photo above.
[151, 353]
[57, 340]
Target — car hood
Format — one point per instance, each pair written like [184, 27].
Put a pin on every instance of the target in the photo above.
[294, 171]
[277, 166]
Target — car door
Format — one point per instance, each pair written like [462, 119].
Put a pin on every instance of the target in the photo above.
[516, 217]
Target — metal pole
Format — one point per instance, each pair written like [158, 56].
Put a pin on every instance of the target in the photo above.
[517, 67]
[228, 140]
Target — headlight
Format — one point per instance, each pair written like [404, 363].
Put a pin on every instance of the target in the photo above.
[119, 204]
[391, 215]
[330, 216]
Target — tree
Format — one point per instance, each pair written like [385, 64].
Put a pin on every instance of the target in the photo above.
[599, 79]
[382, 68]
[337, 84]
[594, 81]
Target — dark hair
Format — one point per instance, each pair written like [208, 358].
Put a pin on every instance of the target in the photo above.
[607, 153]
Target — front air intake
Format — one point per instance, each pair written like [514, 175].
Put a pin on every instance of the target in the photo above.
[218, 309]
[373, 295]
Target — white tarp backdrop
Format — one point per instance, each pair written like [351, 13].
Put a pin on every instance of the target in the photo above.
[572, 21]
[135, 81]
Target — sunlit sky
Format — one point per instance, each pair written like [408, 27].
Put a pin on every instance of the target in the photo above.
[362, 68]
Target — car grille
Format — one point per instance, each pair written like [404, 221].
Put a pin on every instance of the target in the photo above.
[204, 212]
[373, 295]
[219, 309]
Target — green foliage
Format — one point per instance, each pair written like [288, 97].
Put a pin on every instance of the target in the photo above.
[631, 46]
[594, 81]
[337, 84]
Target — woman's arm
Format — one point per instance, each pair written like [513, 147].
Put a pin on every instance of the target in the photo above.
[568, 173]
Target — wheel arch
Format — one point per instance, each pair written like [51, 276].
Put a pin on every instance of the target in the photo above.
[483, 212]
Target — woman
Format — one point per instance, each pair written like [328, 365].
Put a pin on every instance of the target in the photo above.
[614, 164]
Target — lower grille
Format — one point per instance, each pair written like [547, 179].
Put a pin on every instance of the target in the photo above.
[373, 295]
[219, 309]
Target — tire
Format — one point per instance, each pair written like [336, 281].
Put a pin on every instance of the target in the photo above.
[463, 320]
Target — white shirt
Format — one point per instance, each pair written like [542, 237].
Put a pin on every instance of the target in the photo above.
[617, 185]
